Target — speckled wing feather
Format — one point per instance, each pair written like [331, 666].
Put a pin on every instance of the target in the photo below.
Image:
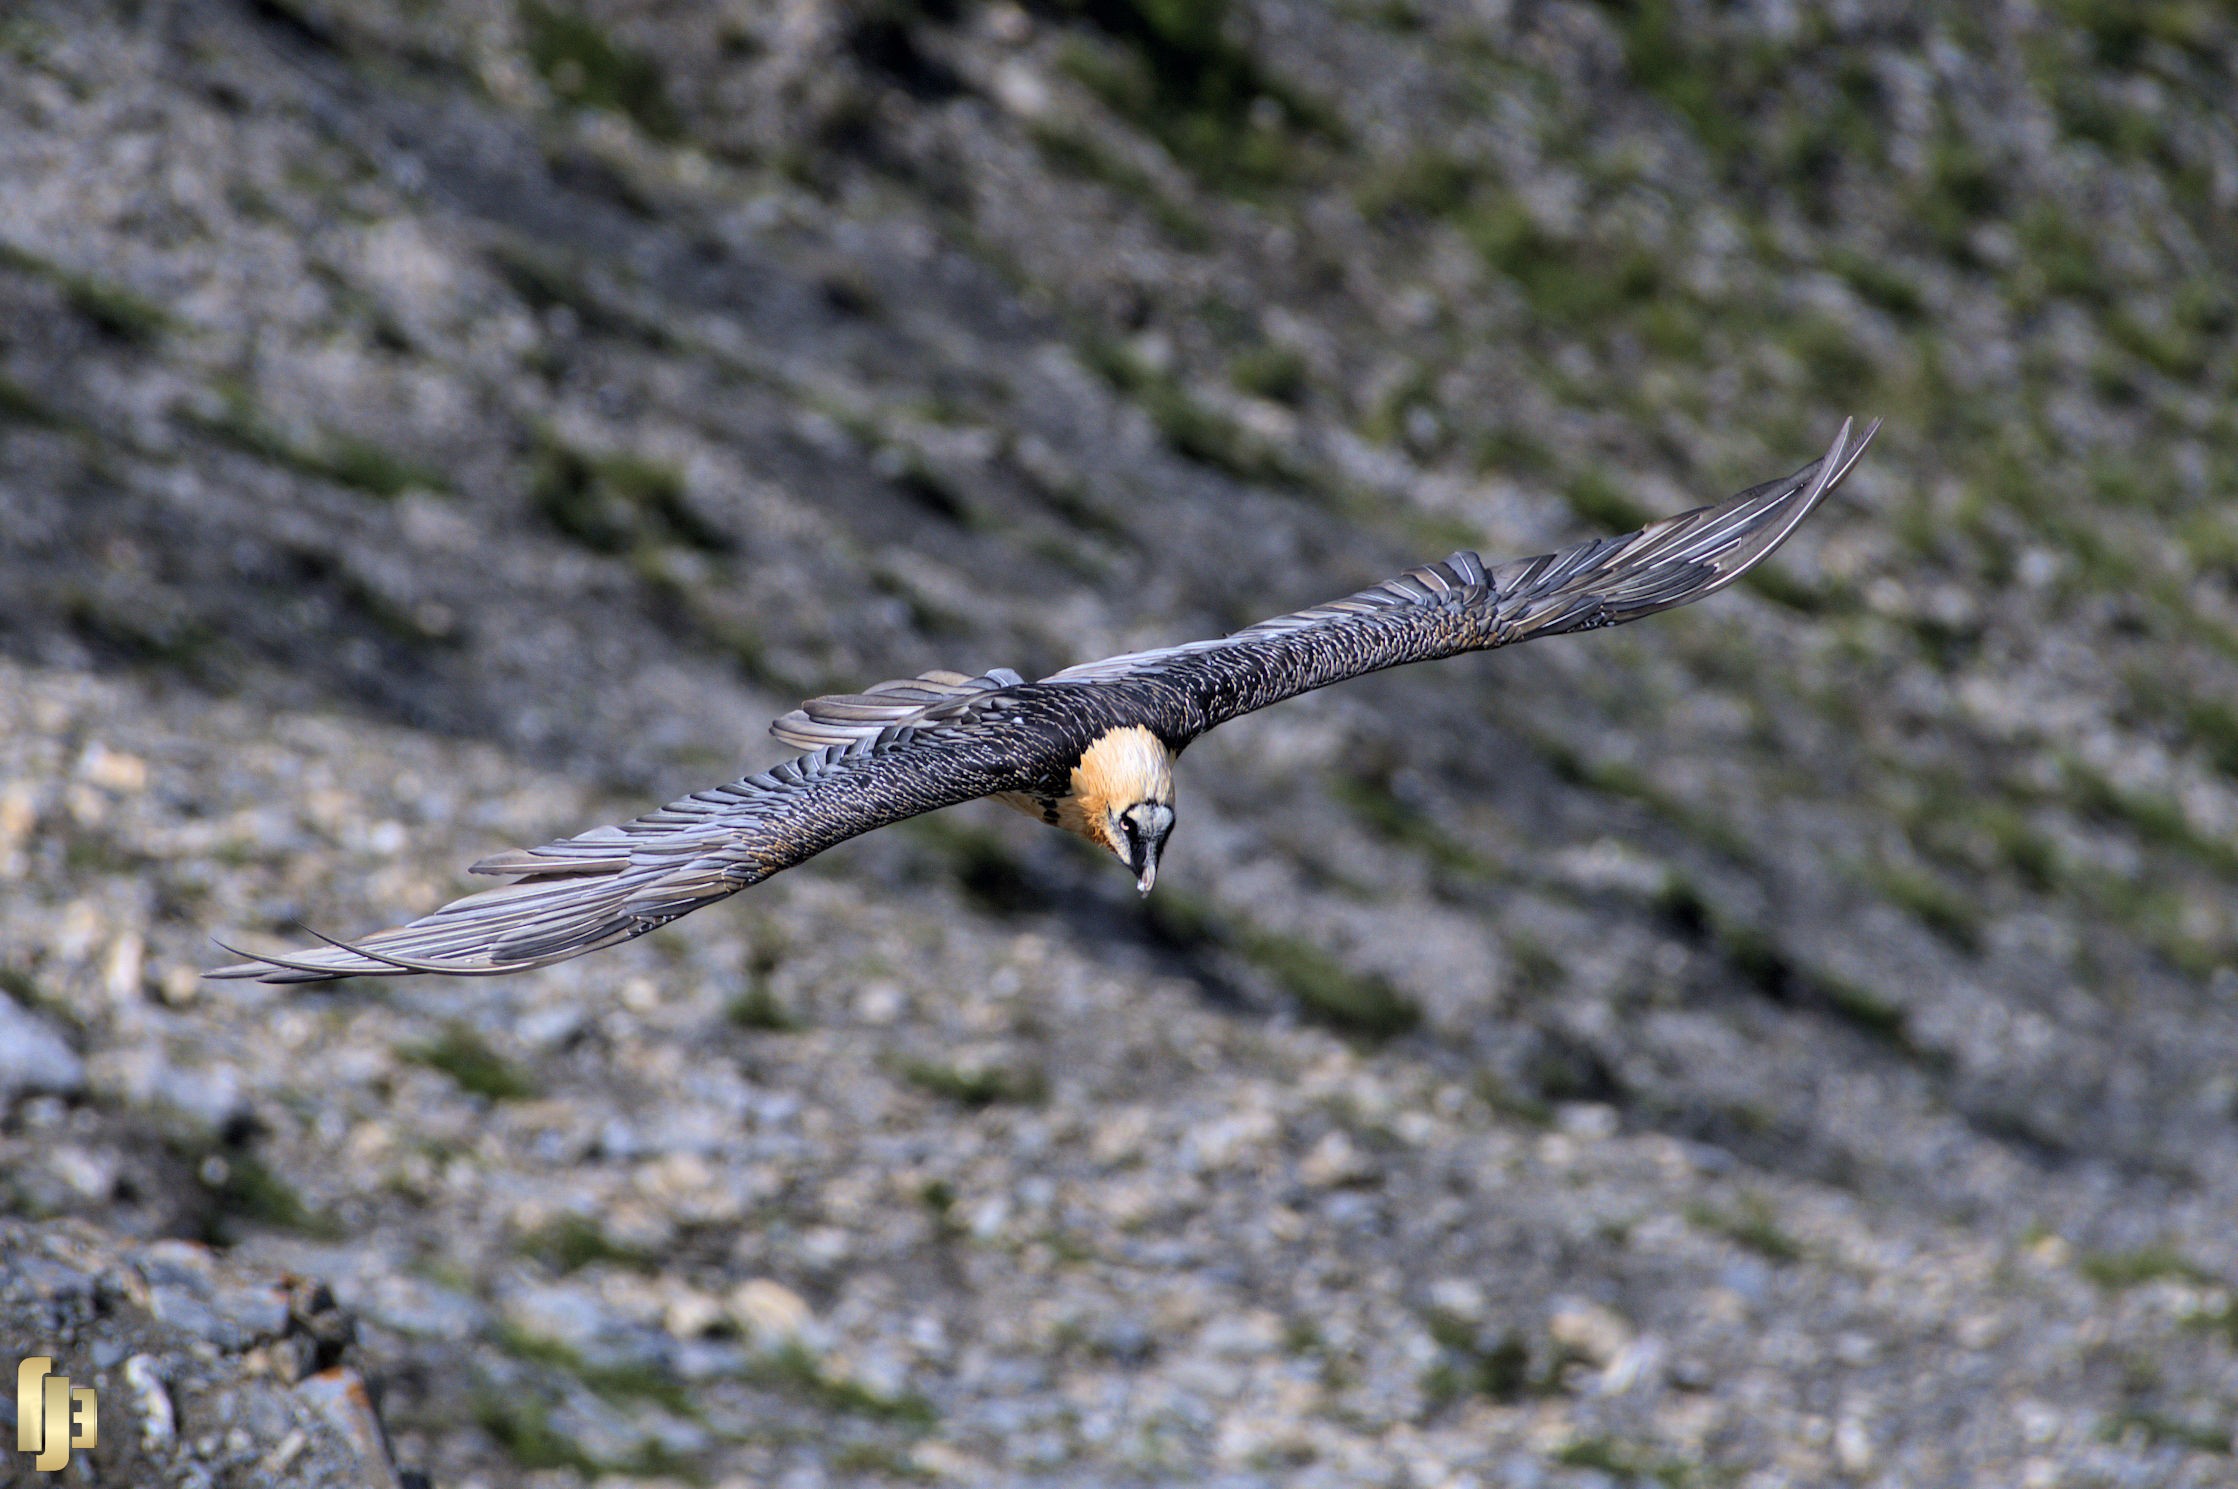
[1459, 604]
[615, 883]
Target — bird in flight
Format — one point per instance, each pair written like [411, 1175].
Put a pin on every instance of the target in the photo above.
[1090, 749]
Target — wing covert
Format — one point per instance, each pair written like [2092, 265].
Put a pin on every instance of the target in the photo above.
[929, 700]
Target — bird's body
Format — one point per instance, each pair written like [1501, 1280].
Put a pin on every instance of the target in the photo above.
[1089, 749]
[1121, 766]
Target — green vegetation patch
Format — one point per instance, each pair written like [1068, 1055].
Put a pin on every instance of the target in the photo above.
[521, 1426]
[1371, 798]
[856, 1460]
[1961, 190]
[1079, 153]
[572, 1242]
[2116, 1270]
[1676, 61]
[1751, 1223]
[586, 68]
[114, 311]
[246, 1191]
[1775, 973]
[240, 1189]
[149, 628]
[615, 503]
[1952, 823]
[1570, 285]
[549, 281]
[1879, 283]
[759, 1008]
[2221, 1319]
[1600, 501]
[1509, 1100]
[1274, 372]
[990, 875]
[2121, 31]
[1176, 69]
[20, 985]
[794, 1369]
[1621, 778]
[1428, 185]
[1500, 1371]
[2161, 1429]
[2209, 723]
[928, 486]
[1330, 992]
[1928, 898]
[520, 1423]
[1626, 1464]
[2158, 821]
[1193, 429]
[975, 1085]
[375, 469]
[467, 1059]
[1365, 1005]
[343, 459]
[19, 405]
[1512, 451]
[1790, 114]
[624, 1381]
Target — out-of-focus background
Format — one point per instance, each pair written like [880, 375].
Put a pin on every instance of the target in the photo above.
[1790, 1041]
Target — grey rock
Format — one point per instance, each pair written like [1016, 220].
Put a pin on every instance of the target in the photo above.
[182, 1366]
[151, 1403]
[340, 1400]
[34, 1057]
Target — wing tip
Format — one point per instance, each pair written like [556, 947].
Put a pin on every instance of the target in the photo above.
[326, 966]
[1831, 470]
[1805, 495]
[1679, 559]
[276, 968]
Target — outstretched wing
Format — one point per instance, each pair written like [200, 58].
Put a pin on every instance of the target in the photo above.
[1459, 604]
[615, 883]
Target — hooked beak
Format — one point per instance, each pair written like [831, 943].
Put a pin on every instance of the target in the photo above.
[1143, 832]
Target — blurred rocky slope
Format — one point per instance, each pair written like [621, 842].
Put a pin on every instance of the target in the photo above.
[1790, 1039]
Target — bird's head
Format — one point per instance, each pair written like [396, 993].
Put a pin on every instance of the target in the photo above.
[1123, 788]
[1140, 836]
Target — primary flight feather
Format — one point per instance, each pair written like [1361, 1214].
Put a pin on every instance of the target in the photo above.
[1089, 749]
